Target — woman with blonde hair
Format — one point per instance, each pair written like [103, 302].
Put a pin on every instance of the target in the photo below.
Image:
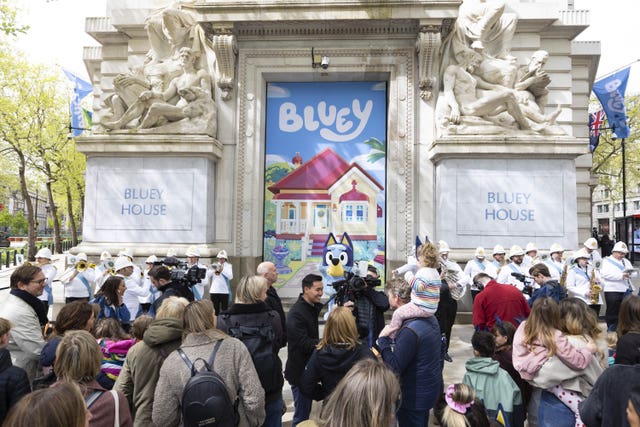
[253, 322]
[59, 406]
[368, 395]
[78, 360]
[232, 362]
[336, 353]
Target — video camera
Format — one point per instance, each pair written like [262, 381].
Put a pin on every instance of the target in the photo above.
[528, 289]
[352, 286]
[181, 273]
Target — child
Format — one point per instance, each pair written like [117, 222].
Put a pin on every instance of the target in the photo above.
[459, 407]
[425, 291]
[503, 333]
[492, 384]
[537, 339]
[14, 382]
[114, 344]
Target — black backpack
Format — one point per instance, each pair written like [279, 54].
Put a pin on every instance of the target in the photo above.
[205, 399]
[260, 341]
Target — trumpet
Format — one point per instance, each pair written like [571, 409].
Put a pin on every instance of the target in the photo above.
[81, 266]
[217, 268]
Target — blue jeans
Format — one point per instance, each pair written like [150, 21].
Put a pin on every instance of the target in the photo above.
[553, 413]
[302, 406]
[412, 418]
[274, 413]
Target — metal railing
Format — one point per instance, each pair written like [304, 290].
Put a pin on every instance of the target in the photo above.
[9, 256]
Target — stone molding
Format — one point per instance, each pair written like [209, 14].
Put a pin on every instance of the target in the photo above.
[565, 147]
[166, 145]
[256, 67]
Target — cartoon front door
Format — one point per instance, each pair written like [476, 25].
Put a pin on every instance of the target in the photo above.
[321, 217]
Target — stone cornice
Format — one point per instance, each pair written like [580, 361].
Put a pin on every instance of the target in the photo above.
[494, 146]
[278, 10]
[132, 145]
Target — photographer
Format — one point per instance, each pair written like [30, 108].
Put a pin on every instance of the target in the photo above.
[497, 300]
[368, 304]
[160, 277]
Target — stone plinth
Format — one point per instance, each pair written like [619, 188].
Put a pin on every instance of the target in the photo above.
[149, 192]
[506, 190]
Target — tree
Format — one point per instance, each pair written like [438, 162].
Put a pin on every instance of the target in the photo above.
[607, 158]
[28, 102]
[8, 23]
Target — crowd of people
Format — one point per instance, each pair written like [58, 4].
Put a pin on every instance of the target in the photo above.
[163, 355]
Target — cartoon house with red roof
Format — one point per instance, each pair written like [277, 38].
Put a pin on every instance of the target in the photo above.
[326, 194]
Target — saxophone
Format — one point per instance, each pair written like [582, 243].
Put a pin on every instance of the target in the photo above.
[563, 278]
[594, 288]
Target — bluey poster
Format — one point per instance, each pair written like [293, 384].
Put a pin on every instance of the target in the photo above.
[325, 175]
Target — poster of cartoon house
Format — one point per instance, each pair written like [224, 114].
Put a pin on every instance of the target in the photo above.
[326, 194]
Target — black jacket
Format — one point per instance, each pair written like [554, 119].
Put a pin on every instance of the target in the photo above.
[14, 383]
[259, 314]
[172, 289]
[327, 366]
[302, 337]
[273, 301]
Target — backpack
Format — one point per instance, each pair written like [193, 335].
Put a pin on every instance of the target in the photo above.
[205, 399]
[259, 340]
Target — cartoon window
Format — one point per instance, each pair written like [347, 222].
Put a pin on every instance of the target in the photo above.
[361, 213]
[348, 213]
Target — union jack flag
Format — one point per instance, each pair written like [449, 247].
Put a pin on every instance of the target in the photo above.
[596, 120]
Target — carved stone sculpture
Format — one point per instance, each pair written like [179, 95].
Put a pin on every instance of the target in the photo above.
[183, 100]
[468, 95]
[484, 89]
[170, 30]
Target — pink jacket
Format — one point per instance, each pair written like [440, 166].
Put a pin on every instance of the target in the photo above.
[528, 362]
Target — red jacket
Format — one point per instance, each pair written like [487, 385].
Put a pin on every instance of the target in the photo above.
[506, 301]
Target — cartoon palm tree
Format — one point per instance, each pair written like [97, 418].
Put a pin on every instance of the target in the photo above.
[378, 150]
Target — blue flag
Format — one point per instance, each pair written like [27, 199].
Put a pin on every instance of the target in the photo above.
[610, 92]
[81, 89]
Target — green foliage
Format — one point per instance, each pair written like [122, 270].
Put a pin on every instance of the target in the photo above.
[276, 171]
[607, 158]
[378, 150]
[8, 23]
[17, 224]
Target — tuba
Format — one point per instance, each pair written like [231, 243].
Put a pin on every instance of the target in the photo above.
[451, 274]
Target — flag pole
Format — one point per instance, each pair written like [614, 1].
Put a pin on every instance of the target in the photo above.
[618, 69]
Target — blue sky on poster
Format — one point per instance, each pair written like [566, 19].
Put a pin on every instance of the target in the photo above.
[57, 33]
[294, 122]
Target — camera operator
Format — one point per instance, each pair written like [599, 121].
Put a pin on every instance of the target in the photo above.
[549, 287]
[160, 277]
[368, 304]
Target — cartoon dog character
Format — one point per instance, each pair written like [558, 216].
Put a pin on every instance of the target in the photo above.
[337, 259]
